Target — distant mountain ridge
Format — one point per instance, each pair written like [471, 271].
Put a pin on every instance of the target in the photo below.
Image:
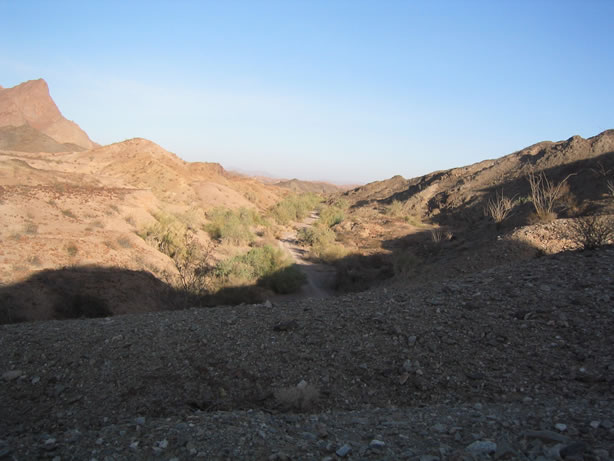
[29, 104]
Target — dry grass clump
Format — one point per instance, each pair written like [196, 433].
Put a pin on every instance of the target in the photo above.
[546, 196]
[396, 209]
[301, 397]
[499, 208]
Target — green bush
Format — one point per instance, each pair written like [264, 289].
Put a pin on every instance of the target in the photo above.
[232, 226]
[316, 235]
[267, 265]
[331, 216]
[294, 207]
[166, 234]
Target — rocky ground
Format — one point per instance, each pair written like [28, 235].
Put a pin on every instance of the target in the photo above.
[515, 362]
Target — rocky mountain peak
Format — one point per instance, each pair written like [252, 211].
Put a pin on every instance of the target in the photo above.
[30, 103]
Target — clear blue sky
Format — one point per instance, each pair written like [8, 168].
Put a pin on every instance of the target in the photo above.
[351, 91]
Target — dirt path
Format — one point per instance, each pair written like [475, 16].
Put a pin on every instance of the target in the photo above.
[320, 277]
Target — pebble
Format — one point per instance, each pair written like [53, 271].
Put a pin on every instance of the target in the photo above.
[140, 421]
[595, 424]
[481, 446]
[344, 450]
[12, 374]
[560, 427]
[440, 428]
[162, 444]
[375, 443]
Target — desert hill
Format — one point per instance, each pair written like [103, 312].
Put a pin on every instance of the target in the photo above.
[318, 187]
[65, 205]
[464, 191]
[30, 104]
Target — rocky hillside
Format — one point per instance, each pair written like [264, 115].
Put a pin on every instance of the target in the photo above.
[461, 193]
[30, 104]
[511, 363]
[82, 206]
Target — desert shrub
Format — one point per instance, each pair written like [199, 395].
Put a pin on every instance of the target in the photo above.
[329, 252]
[414, 220]
[124, 242]
[357, 272]
[395, 209]
[266, 265]
[315, 235]
[405, 263]
[31, 228]
[321, 240]
[129, 220]
[69, 214]
[294, 207]
[592, 231]
[193, 264]
[546, 195]
[499, 208]
[331, 216]
[166, 234]
[78, 306]
[232, 226]
[72, 249]
[286, 280]
[34, 261]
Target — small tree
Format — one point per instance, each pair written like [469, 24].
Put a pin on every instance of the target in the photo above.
[499, 208]
[546, 195]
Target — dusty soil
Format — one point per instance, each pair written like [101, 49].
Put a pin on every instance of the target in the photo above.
[512, 363]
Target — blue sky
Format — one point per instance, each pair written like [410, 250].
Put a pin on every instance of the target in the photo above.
[349, 91]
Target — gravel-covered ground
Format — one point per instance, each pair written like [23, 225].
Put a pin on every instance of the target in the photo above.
[516, 362]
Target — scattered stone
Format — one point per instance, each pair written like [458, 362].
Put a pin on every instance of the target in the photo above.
[560, 427]
[140, 421]
[412, 341]
[344, 450]
[547, 436]
[377, 444]
[268, 304]
[440, 428]
[481, 447]
[12, 375]
[162, 444]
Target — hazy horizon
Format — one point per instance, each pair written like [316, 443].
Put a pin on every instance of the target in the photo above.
[348, 92]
